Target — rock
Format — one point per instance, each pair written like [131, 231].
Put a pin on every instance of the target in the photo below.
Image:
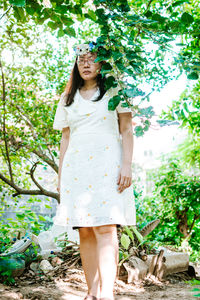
[31, 273]
[34, 267]
[45, 266]
[56, 261]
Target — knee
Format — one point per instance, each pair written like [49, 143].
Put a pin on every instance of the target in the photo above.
[85, 232]
[105, 229]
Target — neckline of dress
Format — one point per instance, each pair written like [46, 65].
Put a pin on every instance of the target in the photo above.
[90, 100]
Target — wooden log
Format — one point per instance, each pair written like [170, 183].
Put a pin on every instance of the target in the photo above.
[169, 263]
[176, 262]
[159, 269]
[136, 269]
[151, 263]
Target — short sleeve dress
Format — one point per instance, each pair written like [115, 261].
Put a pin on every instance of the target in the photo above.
[91, 165]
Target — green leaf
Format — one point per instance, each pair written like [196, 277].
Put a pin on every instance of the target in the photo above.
[133, 92]
[20, 216]
[48, 206]
[120, 255]
[60, 34]
[113, 102]
[30, 10]
[52, 25]
[91, 15]
[116, 55]
[158, 18]
[41, 218]
[193, 282]
[120, 66]
[100, 12]
[130, 234]
[125, 241]
[110, 82]
[167, 122]
[40, 21]
[193, 76]
[187, 18]
[147, 111]
[19, 3]
[177, 3]
[70, 31]
[138, 130]
[19, 14]
[83, 1]
[67, 21]
[106, 68]
[55, 153]
[185, 106]
[138, 235]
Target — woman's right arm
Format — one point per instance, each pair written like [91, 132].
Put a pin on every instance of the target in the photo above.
[63, 147]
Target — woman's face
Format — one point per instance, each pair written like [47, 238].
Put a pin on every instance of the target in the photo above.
[88, 69]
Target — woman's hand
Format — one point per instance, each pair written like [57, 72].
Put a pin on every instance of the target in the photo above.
[124, 178]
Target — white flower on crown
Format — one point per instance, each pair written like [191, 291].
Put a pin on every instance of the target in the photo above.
[83, 48]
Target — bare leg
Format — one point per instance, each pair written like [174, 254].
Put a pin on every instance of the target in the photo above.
[88, 253]
[107, 251]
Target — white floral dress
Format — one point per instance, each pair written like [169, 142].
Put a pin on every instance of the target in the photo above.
[91, 165]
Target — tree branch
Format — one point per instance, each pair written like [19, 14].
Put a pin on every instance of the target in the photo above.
[148, 5]
[5, 12]
[4, 124]
[26, 119]
[38, 152]
[196, 217]
[32, 170]
[20, 191]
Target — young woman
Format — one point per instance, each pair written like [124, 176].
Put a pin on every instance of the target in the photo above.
[95, 173]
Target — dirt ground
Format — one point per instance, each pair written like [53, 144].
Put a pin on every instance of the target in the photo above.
[72, 286]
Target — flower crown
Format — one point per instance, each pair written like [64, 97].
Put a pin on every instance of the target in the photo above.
[84, 48]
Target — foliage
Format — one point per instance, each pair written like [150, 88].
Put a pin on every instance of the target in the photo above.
[176, 194]
[179, 193]
[186, 111]
[28, 141]
[136, 40]
[189, 154]
[194, 283]
[26, 221]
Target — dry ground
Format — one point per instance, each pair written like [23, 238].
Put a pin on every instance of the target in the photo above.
[71, 286]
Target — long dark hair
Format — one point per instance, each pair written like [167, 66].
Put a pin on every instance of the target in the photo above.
[76, 81]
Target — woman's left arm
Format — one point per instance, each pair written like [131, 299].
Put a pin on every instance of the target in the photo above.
[126, 131]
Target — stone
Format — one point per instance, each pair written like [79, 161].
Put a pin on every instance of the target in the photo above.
[45, 266]
[34, 267]
[56, 261]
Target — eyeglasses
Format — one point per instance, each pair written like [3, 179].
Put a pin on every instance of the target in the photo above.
[81, 61]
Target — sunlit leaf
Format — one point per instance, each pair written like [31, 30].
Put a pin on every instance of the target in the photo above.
[18, 2]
